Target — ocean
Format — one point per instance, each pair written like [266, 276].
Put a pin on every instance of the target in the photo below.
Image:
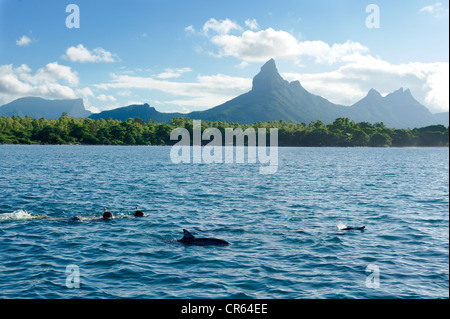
[285, 228]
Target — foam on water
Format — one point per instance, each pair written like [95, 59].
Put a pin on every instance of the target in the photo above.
[17, 215]
[341, 225]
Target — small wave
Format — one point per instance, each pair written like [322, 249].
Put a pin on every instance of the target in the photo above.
[341, 226]
[17, 215]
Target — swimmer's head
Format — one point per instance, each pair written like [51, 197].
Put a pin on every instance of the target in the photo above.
[107, 215]
[138, 214]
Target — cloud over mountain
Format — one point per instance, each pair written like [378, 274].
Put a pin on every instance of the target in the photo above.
[52, 81]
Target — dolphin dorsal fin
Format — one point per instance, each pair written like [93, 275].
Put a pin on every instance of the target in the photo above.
[187, 235]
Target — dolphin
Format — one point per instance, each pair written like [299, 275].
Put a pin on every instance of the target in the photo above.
[353, 228]
[189, 239]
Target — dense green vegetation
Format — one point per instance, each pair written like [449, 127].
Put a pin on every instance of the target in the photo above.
[342, 132]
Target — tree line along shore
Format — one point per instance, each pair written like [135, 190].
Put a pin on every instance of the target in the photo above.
[85, 131]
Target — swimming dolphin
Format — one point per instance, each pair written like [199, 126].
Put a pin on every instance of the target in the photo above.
[353, 228]
[189, 239]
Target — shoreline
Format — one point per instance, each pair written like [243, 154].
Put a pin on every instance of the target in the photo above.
[283, 146]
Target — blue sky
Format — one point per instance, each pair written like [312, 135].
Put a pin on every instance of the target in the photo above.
[192, 55]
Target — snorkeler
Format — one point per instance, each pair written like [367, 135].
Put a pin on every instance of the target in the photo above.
[138, 213]
[107, 215]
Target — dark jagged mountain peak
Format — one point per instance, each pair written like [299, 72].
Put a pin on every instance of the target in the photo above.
[400, 93]
[269, 66]
[268, 78]
[374, 94]
[402, 97]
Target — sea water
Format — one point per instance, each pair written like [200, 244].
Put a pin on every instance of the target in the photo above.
[284, 229]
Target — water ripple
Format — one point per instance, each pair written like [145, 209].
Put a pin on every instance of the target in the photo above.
[282, 228]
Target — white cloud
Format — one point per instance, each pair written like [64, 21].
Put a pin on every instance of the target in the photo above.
[436, 9]
[124, 93]
[190, 29]
[51, 81]
[221, 27]
[438, 84]
[262, 45]
[53, 72]
[83, 55]
[85, 92]
[326, 54]
[257, 46]
[252, 24]
[106, 98]
[207, 91]
[242, 65]
[23, 41]
[173, 73]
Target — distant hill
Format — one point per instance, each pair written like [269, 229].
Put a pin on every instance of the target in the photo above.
[40, 108]
[145, 112]
[398, 109]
